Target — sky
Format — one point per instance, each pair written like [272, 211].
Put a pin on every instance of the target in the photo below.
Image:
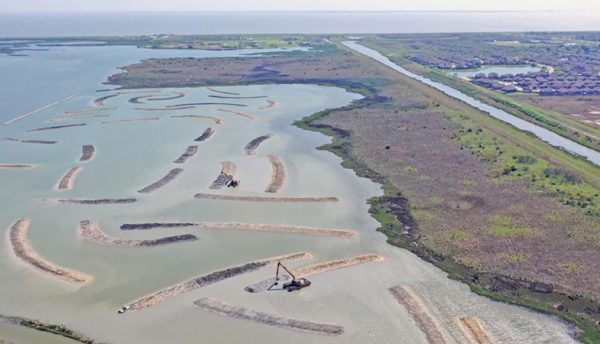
[294, 5]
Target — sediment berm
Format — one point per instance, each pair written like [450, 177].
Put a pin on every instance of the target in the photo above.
[100, 101]
[418, 311]
[238, 312]
[21, 248]
[242, 226]
[68, 180]
[216, 119]
[266, 198]
[251, 147]
[472, 328]
[211, 278]
[315, 269]
[57, 127]
[241, 114]
[7, 166]
[129, 120]
[89, 230]
[99, 201]
[277, 176]
[174, 173]
[228, 170]
[190, 151]
[87, 152]
[42, 142]
[205, 135]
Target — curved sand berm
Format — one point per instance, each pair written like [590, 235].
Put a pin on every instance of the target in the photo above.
[243, 226]
[315, 269]
[190, 151]
[85, 110]
[100, 101]
[212, 89]
[211, 278]
[7, 166]
[89, 230]
[22, 250]
[216, 119]
[176, 95]
[252, 146]
[270, 104]
[222, 308]
[266, 198]
[208, 132]
[228, 169]
[278, 174]
[87, 152]
[165, 109]
[473, 330]
[418, 311]
[174, 173]
[68, 180]
[241, 114]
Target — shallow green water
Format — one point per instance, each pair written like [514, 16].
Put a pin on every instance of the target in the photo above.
[132, 155]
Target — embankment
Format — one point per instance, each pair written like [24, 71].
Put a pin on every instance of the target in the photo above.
[57, 127]
[208, 132]
[190, 151]
[174, 173]
[277, 175]
[218, 307]
[252, 146]
[472, 328]
[68, 180]
[89, 230]
[22, 250]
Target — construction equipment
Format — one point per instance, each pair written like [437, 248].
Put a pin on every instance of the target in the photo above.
[294, 284]
[124, 309]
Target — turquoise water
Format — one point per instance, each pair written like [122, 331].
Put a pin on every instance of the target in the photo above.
[132, 155]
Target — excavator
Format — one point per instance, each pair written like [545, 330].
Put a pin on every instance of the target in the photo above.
[294, 284]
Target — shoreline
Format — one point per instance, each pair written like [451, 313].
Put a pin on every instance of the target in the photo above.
[22, 250]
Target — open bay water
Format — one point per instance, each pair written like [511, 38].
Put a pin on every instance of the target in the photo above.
[145, 23]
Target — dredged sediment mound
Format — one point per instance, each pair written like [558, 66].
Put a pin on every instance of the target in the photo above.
[9, 166]
[176, 95]
[211, 278]
[208, 132]
[129, 120]
[78, 118]
[190, 151]
[174, 173]
[89, 230]
[242, 226]
[473, 330]
[228, 169]
[216, 119]
[221, 308]
[87, 152]
[57, 127]
[241, 114]
[212, 89]
[418, 311]
[41, 142]
[266, 198]
[100, 101]
[278, 174]
[22, 250]
[315, 269]
[99, 201]
[251, 147]
[68, 180]
[270, 104]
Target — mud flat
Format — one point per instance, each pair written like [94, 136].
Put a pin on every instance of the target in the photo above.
[211, 278]
[212, 89]
[278, 175]
[68, 180]
[11, 121]
[89, 230]
[99, 201]
[472, 328]
[77, 118]
[221, 308]
[228, 169]
[100, 101]
[266, 198]
[22, 249]
[242, 226]
[174, 173]
[315, 269]
[270, 104]
[87, 152]
[120, 121]
[418, 311]
[216, 119]
[177, 95]
[241, 114]
[252, 146]
[41, 142]
[57, 127]
[190, 151]
[7, 166]
[205, 135]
